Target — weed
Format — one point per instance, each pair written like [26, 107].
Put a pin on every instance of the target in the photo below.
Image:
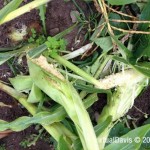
[55, 44]
[88, 23]
[31, 140]
[38, 39]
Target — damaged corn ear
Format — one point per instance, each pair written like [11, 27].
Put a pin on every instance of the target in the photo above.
[129, 85]
[120, 79]
[42, 62]
[52, 83]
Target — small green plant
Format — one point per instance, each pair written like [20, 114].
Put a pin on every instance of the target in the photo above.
[87, 23]
[38, 39]
[56, 44]
[31, 140]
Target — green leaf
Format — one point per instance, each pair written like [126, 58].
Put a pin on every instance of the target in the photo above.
[117, 24]
[98, 130]
[118, 130]
[121, 2]
[90, 89]
[43, 118]
[9, 8]
[120, 59]
[102, 126]
[62, 144]
[105, 43]
[4, 56]
[6, 49]
[21, 83]
[65, 32]
[37, 51]
[55, 44]
[143, 47]
[143, 68]
[145, 15]
[123, 50]
[35, 95]
[142, 42]
[146, 142]
[42, 13]
[147, 121]
[135, 136]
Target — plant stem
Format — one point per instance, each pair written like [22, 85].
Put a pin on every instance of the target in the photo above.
[24, 9]
[77, 70]
[101, 67]
[104, 12]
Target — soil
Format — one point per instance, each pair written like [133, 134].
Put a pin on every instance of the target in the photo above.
[141, 107]
[57, 19]
[56, 22]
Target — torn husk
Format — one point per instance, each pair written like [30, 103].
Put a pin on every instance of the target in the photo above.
[42, 62]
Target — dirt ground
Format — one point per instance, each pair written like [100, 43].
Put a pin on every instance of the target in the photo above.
[56, 21]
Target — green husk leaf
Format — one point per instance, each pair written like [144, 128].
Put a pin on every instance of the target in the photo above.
[21, 83]
[102, 126]
[90, 89]
[98, 130]
[35, 95]
[62, 144]
[64, 93]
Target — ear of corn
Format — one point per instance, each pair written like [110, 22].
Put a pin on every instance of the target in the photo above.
[61, 91]
[128, 85]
